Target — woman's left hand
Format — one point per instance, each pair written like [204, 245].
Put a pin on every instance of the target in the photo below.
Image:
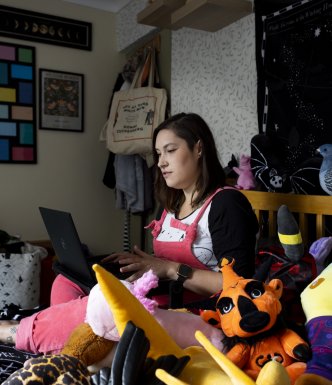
[140, 262]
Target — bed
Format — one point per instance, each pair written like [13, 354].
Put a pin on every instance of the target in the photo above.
[313, 212]
[314, 216]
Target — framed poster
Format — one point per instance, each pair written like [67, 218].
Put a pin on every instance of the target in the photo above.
[28, 25]
[17, 104]
[61, 100]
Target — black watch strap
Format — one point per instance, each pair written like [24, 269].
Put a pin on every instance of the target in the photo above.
[184, 272]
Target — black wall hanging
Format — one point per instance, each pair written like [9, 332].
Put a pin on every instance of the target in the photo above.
[27, 25]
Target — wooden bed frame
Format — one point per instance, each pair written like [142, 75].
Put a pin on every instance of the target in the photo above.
[316, 206]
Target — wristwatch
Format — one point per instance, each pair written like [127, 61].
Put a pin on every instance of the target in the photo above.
[184, 272]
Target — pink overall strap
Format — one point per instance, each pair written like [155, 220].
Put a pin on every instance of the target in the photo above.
[206, 203]
[201, 212]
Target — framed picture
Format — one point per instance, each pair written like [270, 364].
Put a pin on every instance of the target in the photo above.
[18, 121]
[61, 104]
[28, 25]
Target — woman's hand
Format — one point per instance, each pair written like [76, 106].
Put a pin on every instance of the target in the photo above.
[140, 262]
[204, 282]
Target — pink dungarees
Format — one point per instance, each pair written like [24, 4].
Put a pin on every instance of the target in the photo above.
[48, 330]
[179, 251]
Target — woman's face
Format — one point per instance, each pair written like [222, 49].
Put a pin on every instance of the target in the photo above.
[178, 164]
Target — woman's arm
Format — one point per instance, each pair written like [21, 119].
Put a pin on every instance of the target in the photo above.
[233, 227]
[202, 282]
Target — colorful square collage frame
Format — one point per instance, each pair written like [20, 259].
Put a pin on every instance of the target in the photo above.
[17, 104]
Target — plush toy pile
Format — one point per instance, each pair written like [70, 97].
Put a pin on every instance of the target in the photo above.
[207, 365]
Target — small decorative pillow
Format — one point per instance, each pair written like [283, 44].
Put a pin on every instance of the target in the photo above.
[20, 277]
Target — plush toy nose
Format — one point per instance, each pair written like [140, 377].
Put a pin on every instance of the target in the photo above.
[252, 320]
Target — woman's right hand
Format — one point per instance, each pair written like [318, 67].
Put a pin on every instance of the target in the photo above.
[203, 282]
[138, 262]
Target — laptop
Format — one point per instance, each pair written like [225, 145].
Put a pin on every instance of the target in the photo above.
[73, 258]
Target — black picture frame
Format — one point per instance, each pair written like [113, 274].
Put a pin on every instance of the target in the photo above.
[61, 100]
[28, 25]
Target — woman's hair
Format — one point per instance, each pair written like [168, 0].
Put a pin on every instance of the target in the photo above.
[192, 128]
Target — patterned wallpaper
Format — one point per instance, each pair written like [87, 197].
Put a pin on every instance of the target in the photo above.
[128, 31]
[214, 75]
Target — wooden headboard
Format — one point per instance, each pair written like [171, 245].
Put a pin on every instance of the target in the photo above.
[319, 206]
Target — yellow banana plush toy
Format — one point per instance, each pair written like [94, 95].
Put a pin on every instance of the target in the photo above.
[207, 365]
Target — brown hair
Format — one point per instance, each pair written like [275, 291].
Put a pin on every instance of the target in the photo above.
[192, 128]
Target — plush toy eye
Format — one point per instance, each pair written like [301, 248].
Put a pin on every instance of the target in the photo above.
[255, 289]
[225, 305]
[255, 293]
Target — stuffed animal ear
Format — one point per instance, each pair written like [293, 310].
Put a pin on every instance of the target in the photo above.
[263, 269]
[289, 234]
[277, 286]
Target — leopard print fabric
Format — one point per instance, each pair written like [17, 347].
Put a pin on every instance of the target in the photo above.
[52, 370]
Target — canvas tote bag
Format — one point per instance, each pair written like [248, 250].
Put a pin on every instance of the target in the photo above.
[135, 113]
[20, 276]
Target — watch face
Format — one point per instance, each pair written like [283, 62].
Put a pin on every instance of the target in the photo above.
[185, 271]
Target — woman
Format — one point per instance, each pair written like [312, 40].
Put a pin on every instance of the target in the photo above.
[203, 221]
[187, 177]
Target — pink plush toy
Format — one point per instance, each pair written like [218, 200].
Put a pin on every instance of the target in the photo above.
[246, 180]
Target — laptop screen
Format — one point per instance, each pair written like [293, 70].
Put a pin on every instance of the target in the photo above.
[67, 245]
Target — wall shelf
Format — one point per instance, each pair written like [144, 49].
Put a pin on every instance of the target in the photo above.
[158, 13]
[206, 15]
[210, 15]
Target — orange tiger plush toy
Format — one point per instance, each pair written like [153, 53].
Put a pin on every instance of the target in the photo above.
[248, 312]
